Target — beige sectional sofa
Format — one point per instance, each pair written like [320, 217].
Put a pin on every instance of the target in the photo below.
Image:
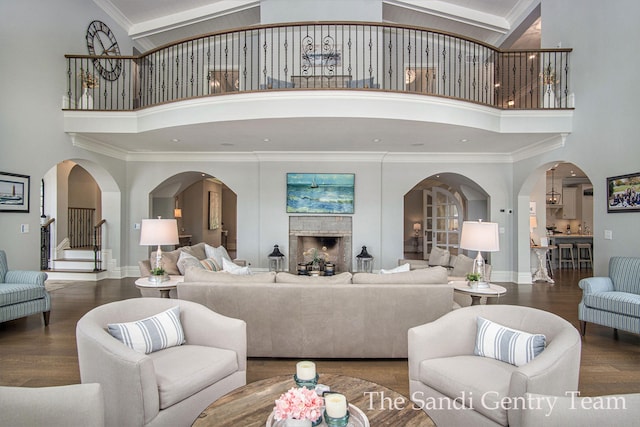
[363, 315]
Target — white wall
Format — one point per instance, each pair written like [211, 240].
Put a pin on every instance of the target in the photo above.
[275, 11]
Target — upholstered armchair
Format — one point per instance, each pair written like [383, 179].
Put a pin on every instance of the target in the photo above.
[612, 301]
[456, 387]
[62, 406]
[168, 387]
[22, 293]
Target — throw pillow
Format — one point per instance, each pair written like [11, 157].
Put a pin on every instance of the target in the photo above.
[439, 256]
[154, 333]
[185, 261]
[217, 253]
[169, 261]
[462, 266]
[210, 264]
[232, 268]
[398, 269]
[508, 345]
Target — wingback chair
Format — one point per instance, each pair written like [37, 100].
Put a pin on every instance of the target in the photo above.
[22, 293]
[467, 389]
[169, 387]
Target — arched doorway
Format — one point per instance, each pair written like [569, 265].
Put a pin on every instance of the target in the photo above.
[205, 209]
[435, 209]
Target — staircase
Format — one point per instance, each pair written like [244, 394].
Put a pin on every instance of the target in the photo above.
[75, 264]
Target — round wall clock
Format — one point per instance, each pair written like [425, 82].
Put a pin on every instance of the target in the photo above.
[102, 42]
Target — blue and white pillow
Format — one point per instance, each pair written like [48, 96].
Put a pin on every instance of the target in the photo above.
[154, 333]
[508, 345]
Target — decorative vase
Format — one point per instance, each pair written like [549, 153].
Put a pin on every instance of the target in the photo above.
[86, 100]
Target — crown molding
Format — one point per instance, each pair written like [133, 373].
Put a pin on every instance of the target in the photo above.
[550, 144]
[95, 146]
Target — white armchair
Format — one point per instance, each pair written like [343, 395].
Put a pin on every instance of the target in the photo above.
[167, 387]
[469, 389]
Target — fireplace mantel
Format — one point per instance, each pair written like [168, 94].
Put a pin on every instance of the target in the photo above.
[303, 227]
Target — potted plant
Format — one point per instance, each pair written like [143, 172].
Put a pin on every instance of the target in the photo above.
[473, 279]
[158, 274]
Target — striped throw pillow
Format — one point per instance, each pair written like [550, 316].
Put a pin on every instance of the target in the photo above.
[210, 264]
[508, 345]
[151, 334]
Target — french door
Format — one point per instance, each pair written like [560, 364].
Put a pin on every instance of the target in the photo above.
[443, 218]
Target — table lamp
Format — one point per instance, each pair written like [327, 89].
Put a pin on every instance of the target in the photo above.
[159, 232]
[416, 228]
[480, 236]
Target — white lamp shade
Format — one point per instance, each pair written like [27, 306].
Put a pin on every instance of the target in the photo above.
[480, 236]
[417, 226]
[159, 232]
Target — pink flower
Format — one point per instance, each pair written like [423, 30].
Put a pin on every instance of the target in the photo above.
[300, 404]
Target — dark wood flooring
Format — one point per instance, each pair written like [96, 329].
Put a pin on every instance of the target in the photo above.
[34, 356]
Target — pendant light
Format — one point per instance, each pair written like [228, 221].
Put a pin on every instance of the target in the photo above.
[553, 197]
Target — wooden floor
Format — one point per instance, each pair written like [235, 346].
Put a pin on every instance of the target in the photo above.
[34, 356]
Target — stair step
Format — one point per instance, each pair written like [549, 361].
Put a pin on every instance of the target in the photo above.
[78, 253]
[73, 264]
[81, 275]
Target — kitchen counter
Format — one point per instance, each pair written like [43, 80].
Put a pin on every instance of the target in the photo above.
[568, 238]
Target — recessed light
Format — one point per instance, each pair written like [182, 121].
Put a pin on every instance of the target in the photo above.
[175, 140]
[266, 140]
[464, 140]
[377, 140]
[496, 85]
[511, 103]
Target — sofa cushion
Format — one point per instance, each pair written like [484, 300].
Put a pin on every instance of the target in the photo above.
[183, 371]
[399, 269]
[483, 383]
[218, 253]
[200, 275]
[197, 250]
[439, 256]
[431, 275]
[340, 278]
[462, 265]
[614, 302]
[508, 345]
[14, 293]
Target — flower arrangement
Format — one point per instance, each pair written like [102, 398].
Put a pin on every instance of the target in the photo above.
[89, 80]
[474, 277]
[317, 255]
[299, 404]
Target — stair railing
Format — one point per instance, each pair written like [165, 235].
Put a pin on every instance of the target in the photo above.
[97, 245]
[45, 243]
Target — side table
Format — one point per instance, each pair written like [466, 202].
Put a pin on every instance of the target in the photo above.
[164, 287]
[493, 291]
[542, 273]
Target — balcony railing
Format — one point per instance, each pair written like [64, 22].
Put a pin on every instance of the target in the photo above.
[356, 56]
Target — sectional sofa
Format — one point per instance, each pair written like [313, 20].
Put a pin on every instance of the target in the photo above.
[360, 315]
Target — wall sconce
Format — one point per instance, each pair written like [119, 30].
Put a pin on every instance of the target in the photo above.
[364, 261]
[177, 212]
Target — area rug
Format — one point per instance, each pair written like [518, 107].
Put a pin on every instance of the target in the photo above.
[54, 285]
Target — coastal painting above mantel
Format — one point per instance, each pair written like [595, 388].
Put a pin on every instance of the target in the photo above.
[320, 193]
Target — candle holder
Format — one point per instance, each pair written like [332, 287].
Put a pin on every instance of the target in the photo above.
[309, 383]
[336, 422]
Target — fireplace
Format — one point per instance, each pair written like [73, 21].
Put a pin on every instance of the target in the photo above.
[332, 232]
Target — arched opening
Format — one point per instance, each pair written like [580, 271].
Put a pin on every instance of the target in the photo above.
[84, 202]
[434, 210]
[204, 207]
[560, 211]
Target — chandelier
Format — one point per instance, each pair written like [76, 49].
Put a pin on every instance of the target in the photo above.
[553, 197]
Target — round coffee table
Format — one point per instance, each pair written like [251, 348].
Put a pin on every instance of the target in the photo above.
[251, 405]
[164, 287]
[493, 291]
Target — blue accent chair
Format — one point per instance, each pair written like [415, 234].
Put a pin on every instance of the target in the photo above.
[22, 293]
[612, 301]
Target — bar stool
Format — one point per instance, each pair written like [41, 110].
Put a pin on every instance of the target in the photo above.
[584, 254]
[565, 254]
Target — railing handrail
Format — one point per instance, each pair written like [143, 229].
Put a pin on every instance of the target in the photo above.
[324, 55]
[98, 225]
[48, 222]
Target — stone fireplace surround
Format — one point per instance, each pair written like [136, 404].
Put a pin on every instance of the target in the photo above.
[317, 231]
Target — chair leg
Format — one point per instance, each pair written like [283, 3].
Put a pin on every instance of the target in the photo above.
[615, 333]
[45, 315]
[583, 327]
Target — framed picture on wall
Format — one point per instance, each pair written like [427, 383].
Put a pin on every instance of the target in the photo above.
[323, 193]
[214, 210]
[623, 193]
[14, 192]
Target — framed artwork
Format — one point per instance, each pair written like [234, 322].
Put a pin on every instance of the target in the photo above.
[623, 193]
[214, 210]
[14, 192]
[320, 193]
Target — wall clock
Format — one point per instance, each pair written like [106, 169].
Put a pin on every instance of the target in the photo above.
[102, 42]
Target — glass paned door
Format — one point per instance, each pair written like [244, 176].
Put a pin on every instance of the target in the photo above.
[442, 218]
